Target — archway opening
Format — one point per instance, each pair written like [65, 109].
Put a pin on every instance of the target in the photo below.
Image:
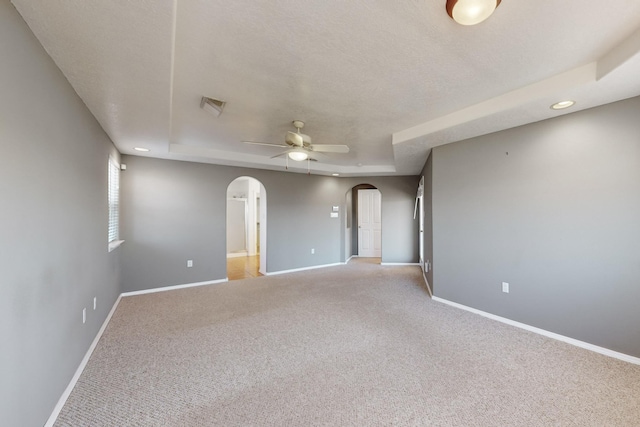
[246, 228]
[364, 207]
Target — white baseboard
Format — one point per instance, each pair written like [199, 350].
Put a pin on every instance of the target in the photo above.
[400, 263]
[174, 287]
[237, 254]
[313, 267]
[424, 276]
[572, 341]
[65, 395]
[348, 259]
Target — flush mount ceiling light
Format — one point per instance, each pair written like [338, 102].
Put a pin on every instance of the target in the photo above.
[335, 174]
[213, 106]
[562, 105]
[471, 12]
[141, 149]
[298, 156]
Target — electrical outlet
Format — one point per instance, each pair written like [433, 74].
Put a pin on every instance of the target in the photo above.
[84, 315]
[95, 302]
[505, 287]
[313, 251]
[189, 263]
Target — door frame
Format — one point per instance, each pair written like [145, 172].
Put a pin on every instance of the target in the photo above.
[250, 216]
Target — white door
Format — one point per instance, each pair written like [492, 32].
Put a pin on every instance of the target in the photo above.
[369, 223]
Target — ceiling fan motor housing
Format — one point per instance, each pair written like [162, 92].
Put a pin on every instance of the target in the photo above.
[294, 139]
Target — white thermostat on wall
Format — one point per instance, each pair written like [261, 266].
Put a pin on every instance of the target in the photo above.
[334, 214]
[336, 208]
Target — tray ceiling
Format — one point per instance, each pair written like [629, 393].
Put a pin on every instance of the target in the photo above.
[390, 79]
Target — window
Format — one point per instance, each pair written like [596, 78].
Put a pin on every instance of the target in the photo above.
[114, 203]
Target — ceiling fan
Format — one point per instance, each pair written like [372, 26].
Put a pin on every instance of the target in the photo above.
[300, 147]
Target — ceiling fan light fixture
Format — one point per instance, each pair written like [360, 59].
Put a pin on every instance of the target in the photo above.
[298, 156]
[471, 12]
[213, 106]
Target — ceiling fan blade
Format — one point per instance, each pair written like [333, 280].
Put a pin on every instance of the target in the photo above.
[264, 143]
[294, 139]
[280, 154]
[329, 148]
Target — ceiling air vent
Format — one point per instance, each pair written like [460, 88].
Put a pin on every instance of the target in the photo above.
[213, 106]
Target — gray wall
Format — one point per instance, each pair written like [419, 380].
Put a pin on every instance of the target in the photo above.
[53, 250]
[558, 217]
[399, 229]
[427, 206]
[174, 211]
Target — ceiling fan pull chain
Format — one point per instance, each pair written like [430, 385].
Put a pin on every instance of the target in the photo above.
[286, 162]
[308, 166]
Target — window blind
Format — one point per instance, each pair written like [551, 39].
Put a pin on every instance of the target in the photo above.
[114, 200]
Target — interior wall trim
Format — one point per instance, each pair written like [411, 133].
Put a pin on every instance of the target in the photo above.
[67, 392]
[400, 263]
[313, 267]
[238, 254]
[572, 341]
[426, 282]
[174, 287]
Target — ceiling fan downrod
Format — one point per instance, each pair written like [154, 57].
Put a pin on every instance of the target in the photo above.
[298, 124]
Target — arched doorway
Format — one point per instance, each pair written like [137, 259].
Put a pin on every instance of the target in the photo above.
[366, 219]
[246, 225]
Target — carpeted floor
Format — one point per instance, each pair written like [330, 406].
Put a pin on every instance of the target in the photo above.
[354, 345]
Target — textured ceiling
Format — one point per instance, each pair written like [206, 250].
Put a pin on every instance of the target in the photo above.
[390, 79]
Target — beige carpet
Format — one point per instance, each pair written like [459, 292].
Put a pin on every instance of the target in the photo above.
[355, 345]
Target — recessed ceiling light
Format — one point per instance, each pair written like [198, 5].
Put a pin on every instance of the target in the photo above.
[141, 149]
[471, 12]
[562, 104]
[335, 174]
